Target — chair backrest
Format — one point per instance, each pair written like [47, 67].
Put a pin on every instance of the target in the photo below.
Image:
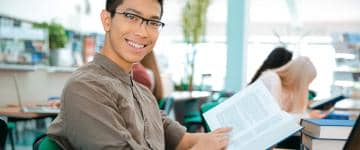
[204, 108]
[3, 133]
[216, 98]
[169, 105]
[45, 143]
[166, 104]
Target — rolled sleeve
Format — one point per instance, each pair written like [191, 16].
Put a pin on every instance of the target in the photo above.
[173, 132]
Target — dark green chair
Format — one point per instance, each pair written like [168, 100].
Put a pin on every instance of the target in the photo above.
[166, 104]
[3, 133]
[217, 98]
[161, 103]
[45, 143]
[11, 127]
[193, 121]
[311, 95]
[192, 116]
[204, 108]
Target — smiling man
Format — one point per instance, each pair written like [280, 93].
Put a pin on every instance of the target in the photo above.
[103, 108]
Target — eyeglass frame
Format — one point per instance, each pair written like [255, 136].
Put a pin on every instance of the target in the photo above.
[142, 19]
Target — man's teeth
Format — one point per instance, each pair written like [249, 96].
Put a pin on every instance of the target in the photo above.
[135, 45]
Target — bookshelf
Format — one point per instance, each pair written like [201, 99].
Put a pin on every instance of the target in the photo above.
[347, 71]
[17, 67]
[22, 44]
[25, 48]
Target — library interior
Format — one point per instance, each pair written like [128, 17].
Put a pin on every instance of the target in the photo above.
[180, 74]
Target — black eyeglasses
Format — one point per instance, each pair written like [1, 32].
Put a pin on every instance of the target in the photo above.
[154, 25]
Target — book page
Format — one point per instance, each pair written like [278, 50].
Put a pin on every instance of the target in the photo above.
[255, 117]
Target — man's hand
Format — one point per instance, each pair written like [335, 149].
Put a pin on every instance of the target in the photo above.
[216, 140]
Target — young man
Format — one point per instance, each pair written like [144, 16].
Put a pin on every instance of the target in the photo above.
[101, 106]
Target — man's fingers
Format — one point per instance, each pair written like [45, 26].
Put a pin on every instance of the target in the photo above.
[222, 137]
[222, 130]
[224, 142]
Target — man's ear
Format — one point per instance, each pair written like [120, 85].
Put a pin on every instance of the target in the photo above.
[105, 20]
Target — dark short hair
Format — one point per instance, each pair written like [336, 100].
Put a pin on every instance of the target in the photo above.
[277, 58]
[111, 6]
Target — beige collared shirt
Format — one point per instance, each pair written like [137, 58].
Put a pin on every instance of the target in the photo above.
[103, 108]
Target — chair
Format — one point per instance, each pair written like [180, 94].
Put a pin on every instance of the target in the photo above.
[192, 117]
[204, 108]
[45, 143]
[311, 95]
[217, 98]
[193, 121]
[3, 133]
[166, 104]
[11, 127]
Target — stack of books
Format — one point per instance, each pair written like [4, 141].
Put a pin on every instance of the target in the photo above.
[329, 134]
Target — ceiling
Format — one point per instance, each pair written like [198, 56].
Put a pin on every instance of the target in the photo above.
[308, 10]
[322, 16]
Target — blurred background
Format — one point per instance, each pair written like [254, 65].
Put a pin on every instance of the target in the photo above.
[43, 41]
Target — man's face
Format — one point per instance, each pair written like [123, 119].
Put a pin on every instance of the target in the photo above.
[132, 39]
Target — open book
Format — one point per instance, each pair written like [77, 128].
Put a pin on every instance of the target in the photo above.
[255, 117]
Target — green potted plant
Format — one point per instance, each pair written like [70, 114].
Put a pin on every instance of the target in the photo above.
[194, 27]
[57, 39]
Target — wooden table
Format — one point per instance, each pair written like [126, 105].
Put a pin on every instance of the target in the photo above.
[186, 95]
[15, 112]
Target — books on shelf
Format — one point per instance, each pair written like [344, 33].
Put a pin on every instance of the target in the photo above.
[23, 33]
[327, 128]
[352, 38]
[347, 75]
[348, 84]
[312, 143]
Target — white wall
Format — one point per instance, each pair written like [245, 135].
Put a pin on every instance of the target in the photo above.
[71, 13]
[34, 86]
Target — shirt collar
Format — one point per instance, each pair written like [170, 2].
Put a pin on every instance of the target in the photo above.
[113, 68]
